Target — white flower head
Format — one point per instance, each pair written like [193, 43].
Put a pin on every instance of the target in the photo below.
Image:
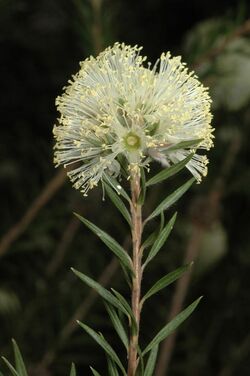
[117, 108]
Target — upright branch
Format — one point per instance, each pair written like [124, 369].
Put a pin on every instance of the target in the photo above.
[136, 214]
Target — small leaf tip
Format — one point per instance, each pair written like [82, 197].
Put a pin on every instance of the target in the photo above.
[199, 299]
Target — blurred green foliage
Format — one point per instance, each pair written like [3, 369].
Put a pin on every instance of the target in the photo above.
[41, 44]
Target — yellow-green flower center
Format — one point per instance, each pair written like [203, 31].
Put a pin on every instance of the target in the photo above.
[132, 141]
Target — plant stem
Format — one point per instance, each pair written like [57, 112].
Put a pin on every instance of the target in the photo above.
[137, 268]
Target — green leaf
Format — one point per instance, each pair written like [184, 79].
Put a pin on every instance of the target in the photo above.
[150, 239]
[118, 203]
[122, 300]
[185, 145]
[141, 360]
[170, 171]
[113, 371]
[160, 240]
[20, 367]
[11, 368]
[127, 307]
[162, 221]
[127, 275]
[105, 294]
[117, 325]
[95, 373]
[117, 187]
[143, 188]
[171, 199]
[151, 361]
[110, 243]
[104, 344]
[172, 325]
[73, 370]
[166, 281]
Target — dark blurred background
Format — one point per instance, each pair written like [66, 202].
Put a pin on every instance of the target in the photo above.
[42, 43]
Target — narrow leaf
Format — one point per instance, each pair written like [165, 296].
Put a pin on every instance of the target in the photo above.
[162, 221]
[95, 373]
[170, 171]
[104, 293]
[150, 239]
[113, 371]
[104, 344]
[11, 368]
[151, 361]
[117, 187]
[171, 199]
[185, 144]
[110, 242]
[73, 370]
[20, 367]
[172, 325]
[166, 281]
[127, 275]
[117, 325]
[141, 361]
[160, 240]
[127, 307]
[118, 203]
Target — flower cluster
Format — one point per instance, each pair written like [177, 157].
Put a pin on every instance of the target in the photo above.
[116, 108]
